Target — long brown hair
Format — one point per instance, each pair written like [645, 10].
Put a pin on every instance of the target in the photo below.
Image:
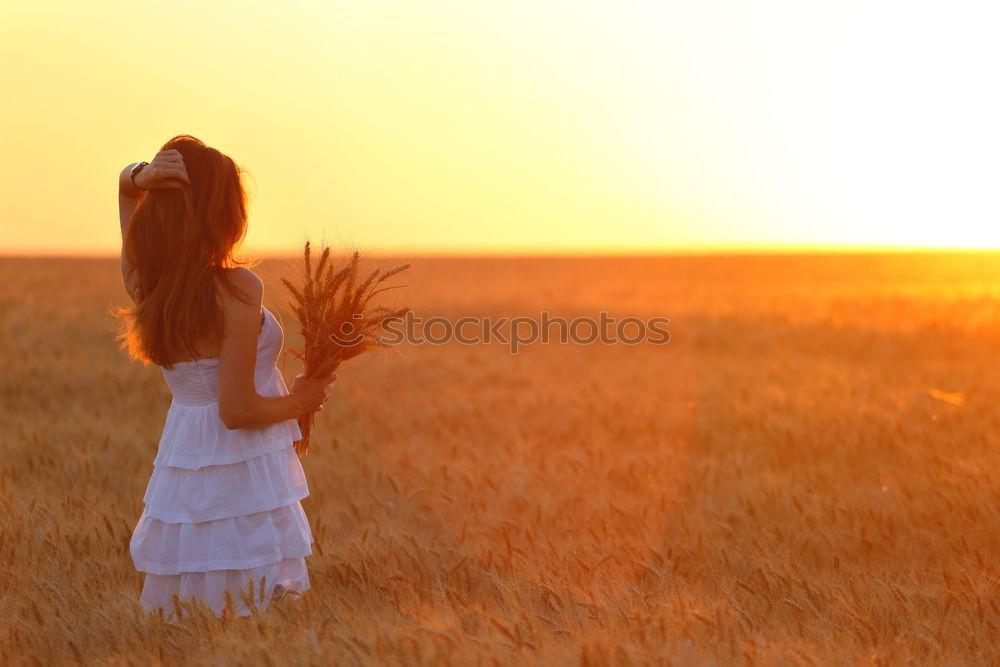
[180, 241]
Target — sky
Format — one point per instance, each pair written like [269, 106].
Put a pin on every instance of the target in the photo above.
[541, 126]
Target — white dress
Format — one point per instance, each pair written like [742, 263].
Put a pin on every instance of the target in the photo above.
[223, 506]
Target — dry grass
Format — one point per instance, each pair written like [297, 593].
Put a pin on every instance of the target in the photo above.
[806, 473]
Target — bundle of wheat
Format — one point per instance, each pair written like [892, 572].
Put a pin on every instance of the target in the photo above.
[331, 309]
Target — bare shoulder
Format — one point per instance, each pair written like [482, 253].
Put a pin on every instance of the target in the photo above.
[245, 279]
[244, 283]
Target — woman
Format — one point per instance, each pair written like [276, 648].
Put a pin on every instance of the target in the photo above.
[222, 513]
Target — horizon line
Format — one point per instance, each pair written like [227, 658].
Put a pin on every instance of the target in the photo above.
[555, 252]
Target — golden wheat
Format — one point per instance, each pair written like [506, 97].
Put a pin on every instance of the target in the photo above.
[776, 485]
[332, 309]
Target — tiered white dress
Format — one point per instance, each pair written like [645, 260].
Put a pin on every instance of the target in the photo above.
[223, 506]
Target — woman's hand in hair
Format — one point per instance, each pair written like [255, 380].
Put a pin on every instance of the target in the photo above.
[166, 170]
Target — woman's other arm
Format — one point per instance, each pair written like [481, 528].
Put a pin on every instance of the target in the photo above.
[240, 406]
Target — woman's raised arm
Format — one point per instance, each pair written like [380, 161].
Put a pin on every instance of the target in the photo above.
[167, 170]
[128, 197]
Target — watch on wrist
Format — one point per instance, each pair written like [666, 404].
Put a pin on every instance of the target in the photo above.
[135, 170]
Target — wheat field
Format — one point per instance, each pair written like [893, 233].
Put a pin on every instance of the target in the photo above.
[807, 473]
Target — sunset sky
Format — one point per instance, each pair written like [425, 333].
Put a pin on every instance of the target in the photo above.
[515, 126]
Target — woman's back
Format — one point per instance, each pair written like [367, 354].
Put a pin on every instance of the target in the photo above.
[194, 434]
[209, 349]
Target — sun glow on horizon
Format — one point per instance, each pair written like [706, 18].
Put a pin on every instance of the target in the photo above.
[458, 126]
